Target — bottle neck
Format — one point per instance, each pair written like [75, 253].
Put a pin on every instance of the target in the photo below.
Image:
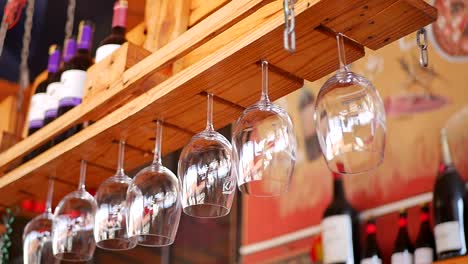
[338, 188]
[402, 223]
[54, 62]
[118, 30]
[85, 37]
[119, 19]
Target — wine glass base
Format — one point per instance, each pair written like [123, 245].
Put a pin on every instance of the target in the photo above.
[72, 257]
[117, 244]
[264, 188]
[154, 240]
[206, 210]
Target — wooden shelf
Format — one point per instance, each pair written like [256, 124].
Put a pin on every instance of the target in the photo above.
[220, 55]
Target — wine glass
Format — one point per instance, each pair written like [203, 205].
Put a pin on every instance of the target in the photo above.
[72, 231]
[205, 170]
[153, 202]
[350, 121]
[110, 226]
[264, 146]
[37, 239]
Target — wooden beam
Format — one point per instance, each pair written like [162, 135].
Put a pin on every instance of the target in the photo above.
[165, 20]
[199, 9]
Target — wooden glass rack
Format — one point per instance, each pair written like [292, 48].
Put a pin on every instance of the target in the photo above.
[220, 54]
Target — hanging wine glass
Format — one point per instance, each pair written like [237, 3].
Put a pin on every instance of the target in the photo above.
[37, 238]
[110, 226]
[72, 231]
[350, 121]
[153, 202]
[264, 146]
[205, 170]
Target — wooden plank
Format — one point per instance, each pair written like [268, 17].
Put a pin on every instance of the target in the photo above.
[7, 89]
[137, 34]
[231, 72]
[102, 75]
[165, 20]
[397, 20]
[199, 9]
[136, 78]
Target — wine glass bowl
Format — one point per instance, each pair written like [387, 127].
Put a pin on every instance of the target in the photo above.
[37, 241]
[37, 234]
[154, 206]
[153, 200]
[72, 230]
[73, 224]
[110, 228]
[205, 170]
[263, 139]
[264, 146]
[111, 216]
[350, 121]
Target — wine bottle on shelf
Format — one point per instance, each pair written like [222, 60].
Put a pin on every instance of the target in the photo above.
[424, 252]
[403, 250]
[55, 87]
[340, 228]
[306, 109]
[371, 253]
[449, 206]
[74, 76]
[39, 100]
[117, 36]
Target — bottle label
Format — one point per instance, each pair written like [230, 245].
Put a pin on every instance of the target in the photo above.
[337, 239]
[372, 260]
[423, 255]
[52, 101]
[402, 258]
[37, 110]
[105, 50]
[447, 236]
[73, 82]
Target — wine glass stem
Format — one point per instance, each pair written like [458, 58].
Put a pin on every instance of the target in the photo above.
[50, 193]
[120, 161]
[81, 185]
[341, 52]
[265, 81]
[157, 145]
[209, 112]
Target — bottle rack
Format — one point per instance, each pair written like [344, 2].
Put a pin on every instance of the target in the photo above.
[220, 54]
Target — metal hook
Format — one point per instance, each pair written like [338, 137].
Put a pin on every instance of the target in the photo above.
[289, 35]
[421, 40]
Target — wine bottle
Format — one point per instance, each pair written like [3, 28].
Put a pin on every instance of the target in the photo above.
[371, 253]
[306, 109]
[39, 100]
[55, 87]
[403, 250]
[449, 206]
[340, 228]
[424, 247]
[74, 76]
[117, 36]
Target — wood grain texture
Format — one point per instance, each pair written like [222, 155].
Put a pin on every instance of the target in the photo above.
[199, 9]
[230, 71]
[165, 20]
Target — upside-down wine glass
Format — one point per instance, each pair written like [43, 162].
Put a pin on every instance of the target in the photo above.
[37, 238]
[350, 121]
[205, 170]
[264, 146]
[72, 231]
[153, 201]
[110, 226]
